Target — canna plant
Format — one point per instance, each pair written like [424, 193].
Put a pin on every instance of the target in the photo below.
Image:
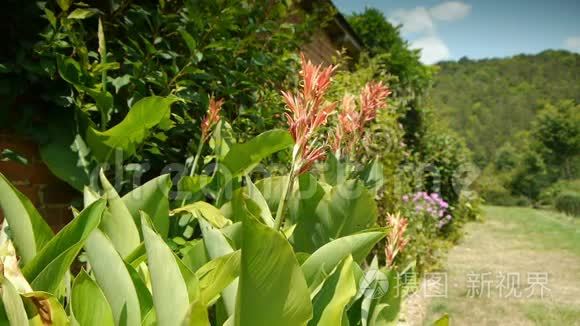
[147, 258]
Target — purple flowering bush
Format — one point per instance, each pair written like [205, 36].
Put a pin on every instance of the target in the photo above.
[428, 215]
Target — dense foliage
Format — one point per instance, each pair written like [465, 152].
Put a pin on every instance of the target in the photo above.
[216, 215]
[489, 101]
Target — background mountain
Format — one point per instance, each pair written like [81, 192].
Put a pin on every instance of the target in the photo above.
[490, 101]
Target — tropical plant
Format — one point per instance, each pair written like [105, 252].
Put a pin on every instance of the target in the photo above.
[227, 261]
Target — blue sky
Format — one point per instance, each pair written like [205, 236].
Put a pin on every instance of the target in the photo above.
[480, 28]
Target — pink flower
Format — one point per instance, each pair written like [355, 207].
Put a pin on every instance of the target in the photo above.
[307, 111]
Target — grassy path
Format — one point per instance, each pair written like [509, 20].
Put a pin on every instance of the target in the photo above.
[525, 243]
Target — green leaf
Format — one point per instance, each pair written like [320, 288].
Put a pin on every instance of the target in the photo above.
[189, 41]
[256, 196]
[153, 199]
[330, 303]
[195, 183]
[114, 279]
[82, 13]
[326, 258]
[334, 170]
[372, 175]
[88, 303]
[309, 234]
[120, 82]
[217, 246]
[217, 274]
[194, 255]
[271, 188]
[12, 305]
[132, 131]
[242, 158]
[118, 223]
[386, 313]
[272, 289]
[64, 4]
[65, 152]
[103, 101]
[70, 70]
[196, 315]
[347, 209]
[206, 211]
[170, 296]
[29, 231]
[47, 269]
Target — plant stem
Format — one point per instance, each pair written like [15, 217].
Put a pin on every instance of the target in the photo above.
[194, 165]
[287, 190]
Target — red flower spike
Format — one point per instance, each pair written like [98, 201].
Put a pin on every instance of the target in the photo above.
[212, 117]
[306, 111]
[395, 239]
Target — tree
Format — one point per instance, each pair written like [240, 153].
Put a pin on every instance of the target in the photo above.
[557, 128]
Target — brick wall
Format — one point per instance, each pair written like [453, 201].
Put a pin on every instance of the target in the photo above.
[51, 196]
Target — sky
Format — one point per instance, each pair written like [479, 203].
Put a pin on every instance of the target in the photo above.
[449, 30]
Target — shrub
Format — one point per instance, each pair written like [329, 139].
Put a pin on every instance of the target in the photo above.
[568, 202]
[282, 250]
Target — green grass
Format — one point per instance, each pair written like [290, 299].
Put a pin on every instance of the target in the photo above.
[511, 240]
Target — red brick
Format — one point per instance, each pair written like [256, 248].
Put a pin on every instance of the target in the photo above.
[15, 171]
[40, 174]
[21, 145]
[58, 193]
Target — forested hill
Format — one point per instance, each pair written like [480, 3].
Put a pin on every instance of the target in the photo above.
[488, 101]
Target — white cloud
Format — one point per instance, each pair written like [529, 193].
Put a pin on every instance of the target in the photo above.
[423, 21]
[433, 49]
[573, 43]
[450, 11]
[416, 20]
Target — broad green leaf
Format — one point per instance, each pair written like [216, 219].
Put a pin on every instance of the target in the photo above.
[242, 158]
[65, 153]
[335, 171]
[143, 293]
[88, 303]
[194, 255]
[153, 199]
[193, 184]
[325, 259]
[217, 274]
[29, 231]
[196, 315]
[82, 13]
[217, 246]
[12, 305]
[329, 305]
[347, 209]
[271, 188]
[206, 211]
[118, 223]
[256, 196]
[272, 288]
[372, 175]
[47, 269]
[309, 234]
[113, 278]
[132, 131]
[170, 296]
[89, 196]
[386, 313]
